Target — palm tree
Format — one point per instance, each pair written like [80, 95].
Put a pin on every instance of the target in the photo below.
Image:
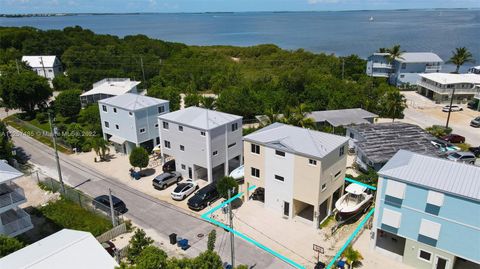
[460, 57]
[298, 116]
[392, 104]
[100, 146]
[270, 117]
[394, 53]
[382, 50]
[352, 256]
[208, 102]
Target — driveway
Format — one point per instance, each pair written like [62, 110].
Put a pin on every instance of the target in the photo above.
[158, 218]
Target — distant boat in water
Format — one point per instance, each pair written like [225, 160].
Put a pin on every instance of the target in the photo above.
[371, 19]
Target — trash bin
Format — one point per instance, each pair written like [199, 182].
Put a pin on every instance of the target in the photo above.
[320, 265]
[173, 238]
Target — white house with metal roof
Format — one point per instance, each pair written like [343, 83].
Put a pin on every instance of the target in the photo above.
[64, 249]
[130, 120]
[404, 69]
[440, 86]
[47, 66]
[205, 144]
[13, 219]
[301, 171]
[108, 87]
[427, 212]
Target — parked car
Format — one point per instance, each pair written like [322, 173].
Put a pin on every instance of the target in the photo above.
[473, 104]
[204, 197]
[464, 157]
[102, 202]
[169, 166]
[454, 108]
[183, 190]
[166, 179]
[443, 145]
[109, 247]
[475, 151]
[475, 122]
[454, 138]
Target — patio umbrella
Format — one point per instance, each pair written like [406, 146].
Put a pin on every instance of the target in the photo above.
[157, 149]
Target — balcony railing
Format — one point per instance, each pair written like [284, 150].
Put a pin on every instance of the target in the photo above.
[382, 65]
[433, 68]
[445, 90]
[15, 222]
[10, 194]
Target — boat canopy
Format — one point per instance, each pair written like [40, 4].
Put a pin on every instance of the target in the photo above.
[237, 173]
[355, 189]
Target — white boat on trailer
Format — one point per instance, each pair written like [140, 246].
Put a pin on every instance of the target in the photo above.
[357, 199]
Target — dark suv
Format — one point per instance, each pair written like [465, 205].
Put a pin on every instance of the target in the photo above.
[102, 202]
[169, 166]
[164, 180]
[203, 197]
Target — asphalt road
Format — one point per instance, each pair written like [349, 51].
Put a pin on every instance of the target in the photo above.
[145, 211]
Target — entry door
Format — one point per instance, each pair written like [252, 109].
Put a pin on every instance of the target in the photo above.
[286, 208]
[190, 173]
[440, 263]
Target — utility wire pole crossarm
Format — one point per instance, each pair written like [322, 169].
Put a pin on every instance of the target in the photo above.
[54, 139]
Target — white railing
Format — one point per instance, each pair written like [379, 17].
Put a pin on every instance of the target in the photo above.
[15, 222]
[11, 194]
[382, 65]
[108, 80]
[433, 68]
[445, 90]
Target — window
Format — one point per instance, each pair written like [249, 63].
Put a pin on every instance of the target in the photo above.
[255, 149]
[202, 133]
[352, 135]
[402, 76]
[180, 128]
[114, 110]
[391, 220]
[183, 167]
[167, 144]
[324, 186]
[342, 151]
[156, 125]
[157, 140]
[280, 153]
[142, 130]
[255, 172]
[165, 125]
[215, 153]
[338, 173]
[182, 147]
[161, 109]
[130, 113]
[424, 255]
[107, 125]
[117, 127]
[312, 162]
[404, 66]
[232, 145]
[104, 108]
[234, 127]
[279, 178]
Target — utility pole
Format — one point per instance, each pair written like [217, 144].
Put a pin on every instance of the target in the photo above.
[232, 236]
[143, 70]
[112, 211]
[18, 68]
[43, 67]
[450, 108]
[54, 138]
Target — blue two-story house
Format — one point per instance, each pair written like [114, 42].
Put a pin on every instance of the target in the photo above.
[404, 69]
[427, 212]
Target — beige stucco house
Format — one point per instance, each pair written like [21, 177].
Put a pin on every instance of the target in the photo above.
[301, 171]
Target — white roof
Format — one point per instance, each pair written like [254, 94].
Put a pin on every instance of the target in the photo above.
[342, 117]
[297, 140]
[434, 173]
[36, 61]
[132, 102]
[7, 172]
[355, 188]
[200, 118]
[112, 86]
[64, 249]
[448, 78]
[419, 57]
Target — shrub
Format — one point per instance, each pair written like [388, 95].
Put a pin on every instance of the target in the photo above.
[9, 245]
[86, 147]
[212, 237]
[42, 117]
[225, 184]
[438, 130]
[139, 157]
[137, 244]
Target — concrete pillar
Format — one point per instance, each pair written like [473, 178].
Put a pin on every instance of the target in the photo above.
[208, 155]
[226, 151]
[329, 204]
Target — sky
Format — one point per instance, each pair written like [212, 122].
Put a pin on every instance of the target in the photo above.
[123, 6]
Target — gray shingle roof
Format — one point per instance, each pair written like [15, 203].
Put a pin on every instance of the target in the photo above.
[342, 117]
[297, 140]
[382, 140]
[132, 102]
[200, 118]
[434, 173]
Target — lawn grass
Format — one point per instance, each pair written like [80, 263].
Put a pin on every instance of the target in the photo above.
[34, 133]
[68, 214]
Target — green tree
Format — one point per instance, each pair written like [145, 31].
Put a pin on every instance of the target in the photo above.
[6, 145]
[9, 245]
[438, 130]
[68, 104]
[208, 260]
[75, 135]
[298, 116]
[208, 102]
[226, 183]
[139, 157]
[24, 91]
[151, 257]
[392, 104]
[169, 93]
[63, 83]
[192, 99]
[137, 244]
[100, 146]
[394, 52]
[461, 56]
[212, 237]
[89, 117]
[352, 256]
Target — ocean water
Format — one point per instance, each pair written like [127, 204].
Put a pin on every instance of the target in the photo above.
[342, 33]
